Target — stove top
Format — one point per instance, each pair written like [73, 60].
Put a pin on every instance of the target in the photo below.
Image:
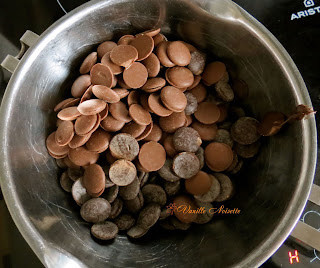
[295, 23]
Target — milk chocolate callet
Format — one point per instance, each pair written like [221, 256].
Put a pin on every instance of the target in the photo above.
[105, 47]
[200, 92]
[140, 115]
[173, 99]
[179, 77]
[199, 184]
[94, 178]
[144, 45]
[152, 64]
[91, 107]
[120, 112]
[152, 156]
[172, 122]
[178, 53]
[156, 105]
[80, 85]
[136, 75]
[123, 55]
[101, 75]
[218, 156]
[115, 69]
[161, 52]
[105, 93]
[126, 39]
[207, 113]
[88, 63]
[207, 132]
[213, 72]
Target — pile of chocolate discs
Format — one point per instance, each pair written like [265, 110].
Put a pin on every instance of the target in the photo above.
[151, 126]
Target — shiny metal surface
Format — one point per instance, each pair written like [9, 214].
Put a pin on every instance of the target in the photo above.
[271, 192]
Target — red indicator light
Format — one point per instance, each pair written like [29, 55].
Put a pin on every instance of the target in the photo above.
[293, 257]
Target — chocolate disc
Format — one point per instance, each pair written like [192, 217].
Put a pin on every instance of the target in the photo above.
[158, 39]
[186, 165]
[126, 39]
[245, 130]
[178, 53]
[207, 113]
[162, 55]
[157, 106]
[144, 45]
[172, 122]
[84, 124]
[105, 93]
[111, 124]
[123, 55]
[155, 134]
[134, 129]
[54, 148]
[197, 62]
[99, 141]
[136, 75]
[69, 113]
[82, 157]
[154, 84]
[140, 115]
[186, 139]
[91, 107]
[105, 47]
[179, 77]
[206, 132]
[200, 92]
[173, 99]
[199, 184]
[88, 63]
[120, 112]
[182, 202]
[218, 156]
[64, 133]
[124, 146]
[152, 64]
[213, 72]
[80, 85]
[122, 172]
[94, 178]
[152, 156]
[115, 69]
[101, 75]
[133, 97]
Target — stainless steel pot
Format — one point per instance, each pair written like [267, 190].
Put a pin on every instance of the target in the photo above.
[272, 190]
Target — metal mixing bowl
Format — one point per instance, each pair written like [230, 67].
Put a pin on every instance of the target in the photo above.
[271, 191]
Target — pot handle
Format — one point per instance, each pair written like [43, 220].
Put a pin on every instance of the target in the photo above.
[304, 232]
[10, 63]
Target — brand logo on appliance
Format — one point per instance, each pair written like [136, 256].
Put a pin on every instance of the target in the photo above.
[312, 10]
[308, 3]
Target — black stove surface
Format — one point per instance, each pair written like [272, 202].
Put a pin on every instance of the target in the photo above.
[295, 23]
